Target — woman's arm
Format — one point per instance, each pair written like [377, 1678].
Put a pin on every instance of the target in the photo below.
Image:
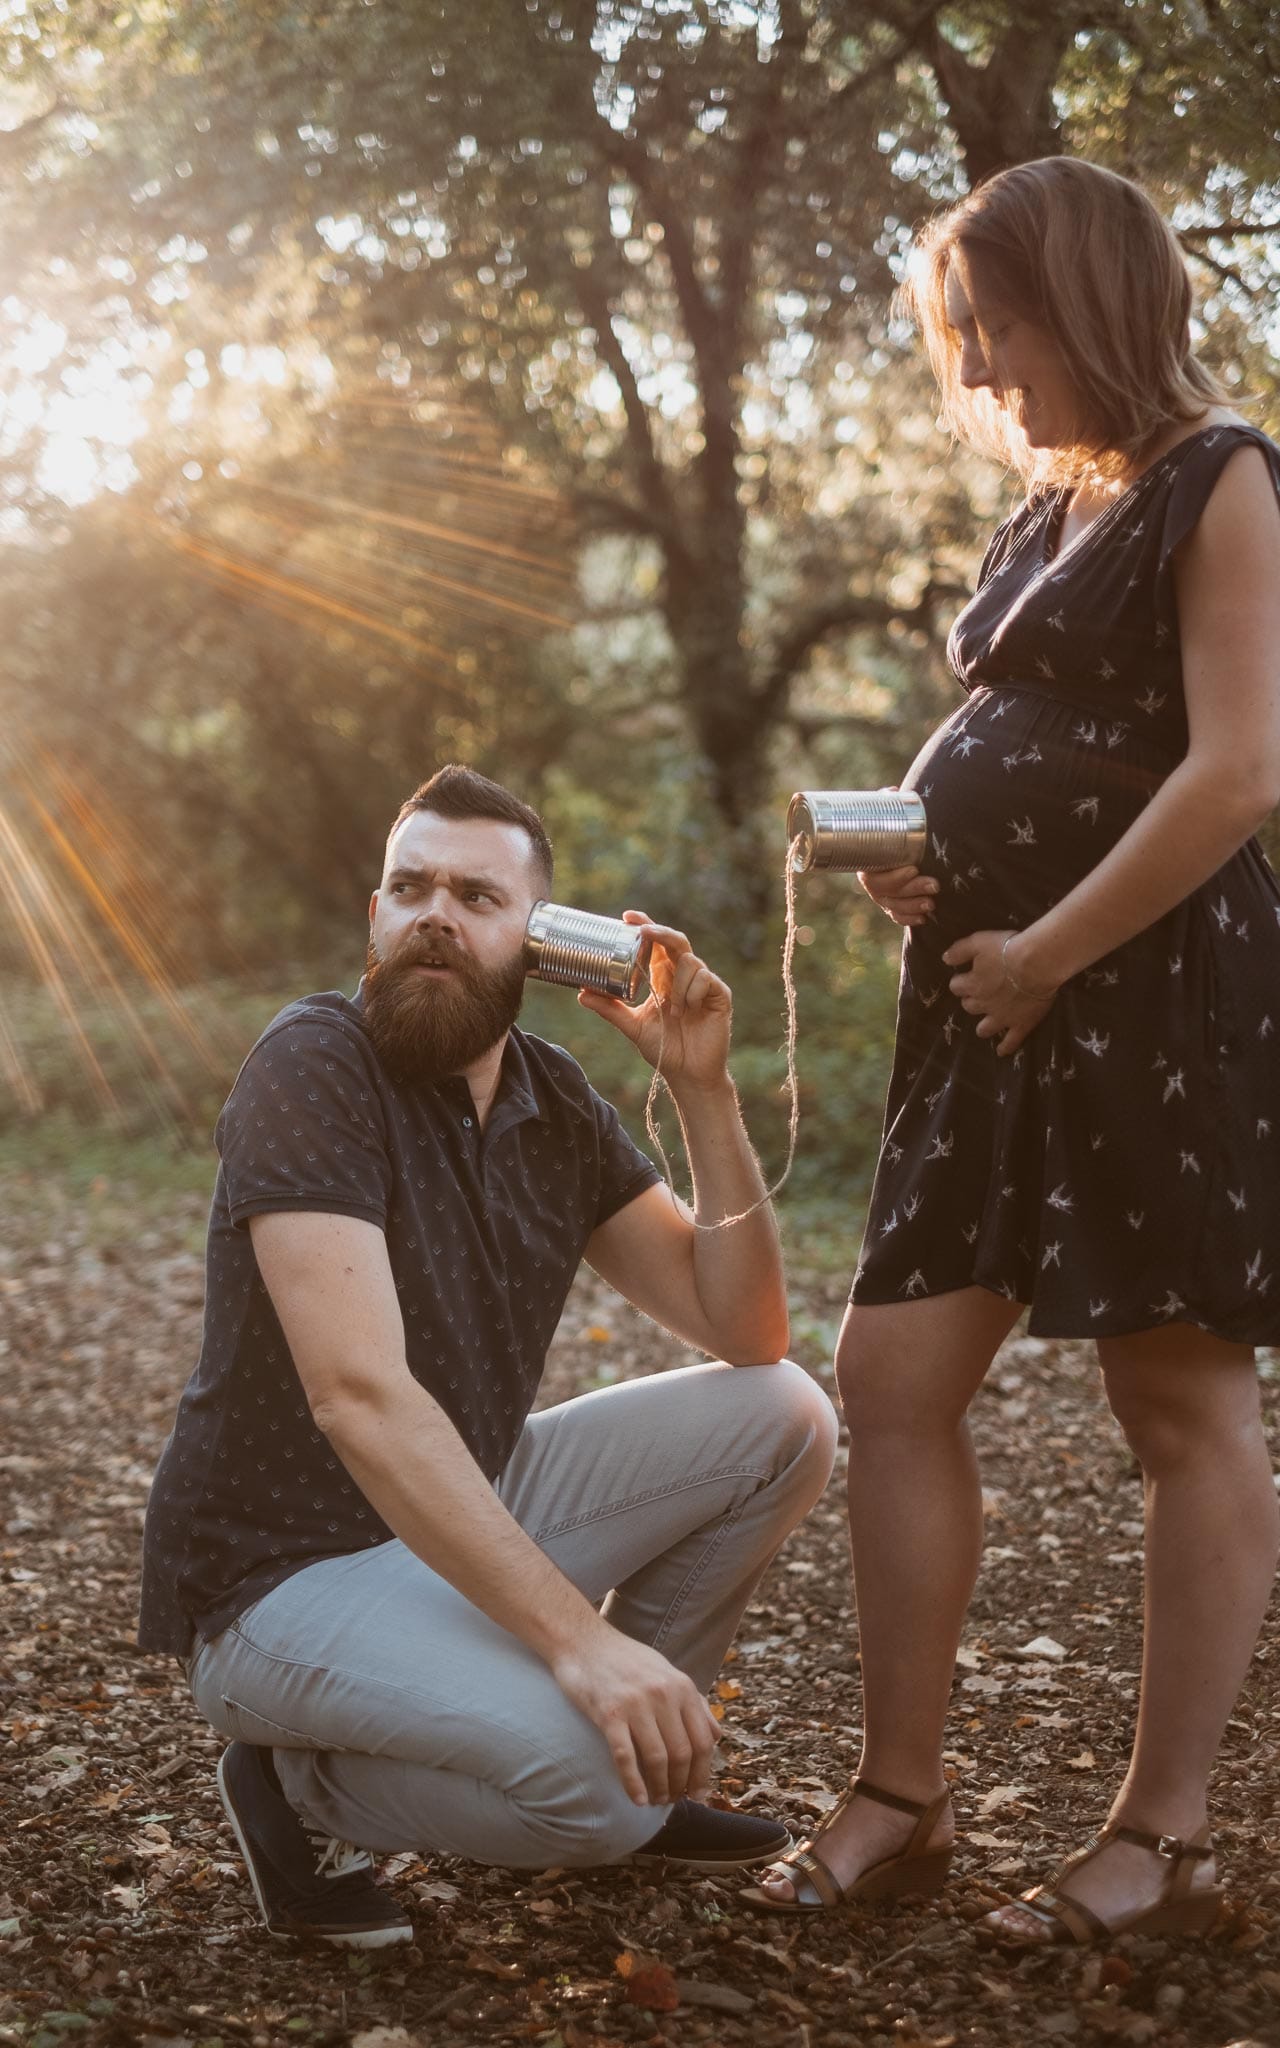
[1227, 578]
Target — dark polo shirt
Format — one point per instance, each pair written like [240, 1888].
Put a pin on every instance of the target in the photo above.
[485, 1231]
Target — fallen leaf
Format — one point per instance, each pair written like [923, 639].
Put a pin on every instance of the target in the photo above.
[784, 2002]
[1115, 1970]
[715, 1997]
[443, 1893]
[650, 1983]
[1042, 1646]
[482, 1965]
[1002, 1795]
[1086, 1761]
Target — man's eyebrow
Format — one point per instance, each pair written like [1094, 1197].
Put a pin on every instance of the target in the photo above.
[401, 872]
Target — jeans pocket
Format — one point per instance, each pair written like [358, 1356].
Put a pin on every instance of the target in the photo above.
[246, 1724]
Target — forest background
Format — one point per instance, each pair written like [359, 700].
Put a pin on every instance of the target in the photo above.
[390, 381]
[387, 382]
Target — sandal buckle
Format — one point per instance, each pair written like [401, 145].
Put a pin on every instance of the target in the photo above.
[1169, 1845]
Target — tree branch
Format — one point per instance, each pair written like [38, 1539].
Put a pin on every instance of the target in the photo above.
[1002, 111]
[1225, 271]
[1228, 230]
[846, 613]
[655, 488]
[909, 34]
[622, 515]
[700, 318]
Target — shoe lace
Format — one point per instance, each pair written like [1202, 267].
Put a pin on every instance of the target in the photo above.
[336, 1859]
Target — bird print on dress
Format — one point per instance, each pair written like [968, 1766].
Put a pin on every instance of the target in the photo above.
[1103, 1174]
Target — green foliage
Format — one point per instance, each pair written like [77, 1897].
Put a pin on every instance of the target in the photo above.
[520, 385]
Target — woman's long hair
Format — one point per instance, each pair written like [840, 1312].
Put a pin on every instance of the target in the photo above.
[1083, 253]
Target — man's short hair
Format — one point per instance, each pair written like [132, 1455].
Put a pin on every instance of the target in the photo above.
[456, 791]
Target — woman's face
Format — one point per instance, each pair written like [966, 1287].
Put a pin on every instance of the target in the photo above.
[1018, 362]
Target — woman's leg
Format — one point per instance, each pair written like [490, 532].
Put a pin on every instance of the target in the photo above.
[1188, 1405]
[906, 1376]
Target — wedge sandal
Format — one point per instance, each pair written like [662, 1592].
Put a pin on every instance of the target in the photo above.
[916, 1869]
[1178, 1910]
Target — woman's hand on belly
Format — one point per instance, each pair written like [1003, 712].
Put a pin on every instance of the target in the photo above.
[990, 988]
[904, 894]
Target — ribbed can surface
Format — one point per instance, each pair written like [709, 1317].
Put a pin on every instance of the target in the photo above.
[844, 829]
[580, 950]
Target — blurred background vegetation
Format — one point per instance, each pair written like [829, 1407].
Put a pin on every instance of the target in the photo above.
[387, 382]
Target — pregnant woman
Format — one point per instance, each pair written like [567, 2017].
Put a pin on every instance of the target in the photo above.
[1084, 1111]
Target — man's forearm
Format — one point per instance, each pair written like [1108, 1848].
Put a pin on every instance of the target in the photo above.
[738, 1270]
[410, 1463]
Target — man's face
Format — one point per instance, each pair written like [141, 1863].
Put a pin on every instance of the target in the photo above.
[445, 972]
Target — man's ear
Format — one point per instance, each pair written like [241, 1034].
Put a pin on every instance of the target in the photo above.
[373, 907]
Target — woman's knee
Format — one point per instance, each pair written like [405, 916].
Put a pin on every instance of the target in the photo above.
[1175, 1419]
[883, 1394]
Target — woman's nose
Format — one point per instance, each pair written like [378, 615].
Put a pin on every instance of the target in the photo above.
[975, 370]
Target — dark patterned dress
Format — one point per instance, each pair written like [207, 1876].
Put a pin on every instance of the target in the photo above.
[1122, 1169]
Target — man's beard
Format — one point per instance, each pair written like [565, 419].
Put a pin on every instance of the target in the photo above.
[424, 1030]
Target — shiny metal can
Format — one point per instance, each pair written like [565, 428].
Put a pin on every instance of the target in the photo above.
[580, 950]
[845, 829]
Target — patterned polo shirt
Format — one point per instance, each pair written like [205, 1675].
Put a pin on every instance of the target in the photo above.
[485, 1231]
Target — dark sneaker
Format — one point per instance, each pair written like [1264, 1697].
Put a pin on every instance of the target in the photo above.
[707, 1838]
[307, 1885]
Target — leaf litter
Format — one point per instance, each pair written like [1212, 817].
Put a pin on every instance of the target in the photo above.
[125, 1915]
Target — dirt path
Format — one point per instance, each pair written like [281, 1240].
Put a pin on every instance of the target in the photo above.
[125, 1915]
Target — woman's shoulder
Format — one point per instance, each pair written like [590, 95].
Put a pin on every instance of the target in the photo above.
[1224, 478]
[1219, 428]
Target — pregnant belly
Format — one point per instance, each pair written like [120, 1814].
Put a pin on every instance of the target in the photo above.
[1023, 796]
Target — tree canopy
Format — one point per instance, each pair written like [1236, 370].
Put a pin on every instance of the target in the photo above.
[523, 380]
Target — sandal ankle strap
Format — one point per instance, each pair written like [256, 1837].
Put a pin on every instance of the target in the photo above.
[925, 1813]
[862, 1788]
[1171, 1846]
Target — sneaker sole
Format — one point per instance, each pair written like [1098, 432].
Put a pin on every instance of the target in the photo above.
[733, 1861]
[371, 1937]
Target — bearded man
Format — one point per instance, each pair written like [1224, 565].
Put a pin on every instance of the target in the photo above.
[425, 1617]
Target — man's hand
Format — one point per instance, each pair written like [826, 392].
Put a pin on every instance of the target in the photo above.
[688, 1016]
[986, 991]
[904, 894]
[660, 1731]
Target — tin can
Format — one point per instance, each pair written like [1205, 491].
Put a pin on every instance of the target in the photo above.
[580, 950]
[845, 829]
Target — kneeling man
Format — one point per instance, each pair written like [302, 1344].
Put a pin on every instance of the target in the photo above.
[426, 1618]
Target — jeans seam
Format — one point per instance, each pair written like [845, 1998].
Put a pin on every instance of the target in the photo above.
[620, 1506]
[549, 1756]
[695, 1573]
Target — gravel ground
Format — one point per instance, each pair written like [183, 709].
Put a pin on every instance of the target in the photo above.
[125, 1915]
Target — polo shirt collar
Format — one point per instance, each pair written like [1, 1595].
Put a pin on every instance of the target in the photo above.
[515, 1101]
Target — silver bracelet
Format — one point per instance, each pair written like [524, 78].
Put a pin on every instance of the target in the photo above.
[1016, 986]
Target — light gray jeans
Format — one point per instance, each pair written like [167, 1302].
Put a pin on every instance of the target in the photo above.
[401, 1717]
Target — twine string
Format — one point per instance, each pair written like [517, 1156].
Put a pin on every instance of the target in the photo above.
[659, 1084]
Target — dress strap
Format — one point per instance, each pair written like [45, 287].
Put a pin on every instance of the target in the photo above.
[1193, 477]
